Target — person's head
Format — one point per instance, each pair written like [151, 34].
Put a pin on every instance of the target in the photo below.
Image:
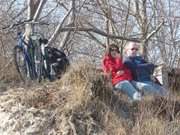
[132, 48]
[113, 50]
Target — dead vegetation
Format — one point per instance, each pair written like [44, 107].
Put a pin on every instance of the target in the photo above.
[84, 104]
[8, 71]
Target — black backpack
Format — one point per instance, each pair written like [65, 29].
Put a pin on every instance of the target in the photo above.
[57, 59]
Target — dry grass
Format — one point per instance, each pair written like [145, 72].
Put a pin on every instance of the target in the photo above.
[155, 126]
[158, 116]
[85, 99]
[8, 72]
[83, 81]
[35, 98]
[151, 126]
[113, 125]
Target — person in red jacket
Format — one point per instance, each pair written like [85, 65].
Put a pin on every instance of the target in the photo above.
[119, 73]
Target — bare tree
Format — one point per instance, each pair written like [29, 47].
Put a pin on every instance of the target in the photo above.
[34, 10]
[103, 21]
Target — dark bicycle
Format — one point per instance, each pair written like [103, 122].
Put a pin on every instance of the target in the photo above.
[50, 62]
[41, 63]
[35, 60]
[24, 58]
[24, 52]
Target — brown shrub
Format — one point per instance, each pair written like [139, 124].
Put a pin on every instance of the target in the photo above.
[8, 72]
[85, 98]
[88, 94]
[35, 98]
[173, 127]
[158, 116]
[83, 80]
[151, 126]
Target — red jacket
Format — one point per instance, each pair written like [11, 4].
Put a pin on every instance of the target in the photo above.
[113, 65]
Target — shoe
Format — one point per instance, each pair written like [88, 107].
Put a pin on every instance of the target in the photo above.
[137, 96]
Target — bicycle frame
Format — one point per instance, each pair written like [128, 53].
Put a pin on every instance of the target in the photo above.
[41, 63]
[28, 59]
[47, 69]
[24, 53]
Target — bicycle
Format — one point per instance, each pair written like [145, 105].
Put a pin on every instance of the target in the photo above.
[49, 66]
[24, 58]
[41, 64]
[24, 53]
[31, 59]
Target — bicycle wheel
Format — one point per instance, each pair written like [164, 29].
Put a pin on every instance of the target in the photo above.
[38, 58]
[48, 67]
[31, 62]
[21, 64]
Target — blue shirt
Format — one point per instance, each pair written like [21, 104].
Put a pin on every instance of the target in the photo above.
[141, 70]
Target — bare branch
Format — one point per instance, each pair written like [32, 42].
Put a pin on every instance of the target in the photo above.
[56, 32]
[62, 4]
[93, 37]
[38, 11]
[102, 33]
[154, 31]
[11, 4]
[21, 12]
[70, 21]
[49, 13]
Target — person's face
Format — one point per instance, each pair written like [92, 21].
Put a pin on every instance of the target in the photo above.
[114, 52]
[132, 49]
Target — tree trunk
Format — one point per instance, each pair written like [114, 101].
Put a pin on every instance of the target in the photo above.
[144, 29]
[34, 10]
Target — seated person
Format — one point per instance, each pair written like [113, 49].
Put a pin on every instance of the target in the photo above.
[120, 75]
[142, 71]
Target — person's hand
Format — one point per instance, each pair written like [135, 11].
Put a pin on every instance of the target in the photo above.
[120, 72]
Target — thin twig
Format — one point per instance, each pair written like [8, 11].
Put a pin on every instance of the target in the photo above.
[154, 31]
[5, 67]
[72, 125]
